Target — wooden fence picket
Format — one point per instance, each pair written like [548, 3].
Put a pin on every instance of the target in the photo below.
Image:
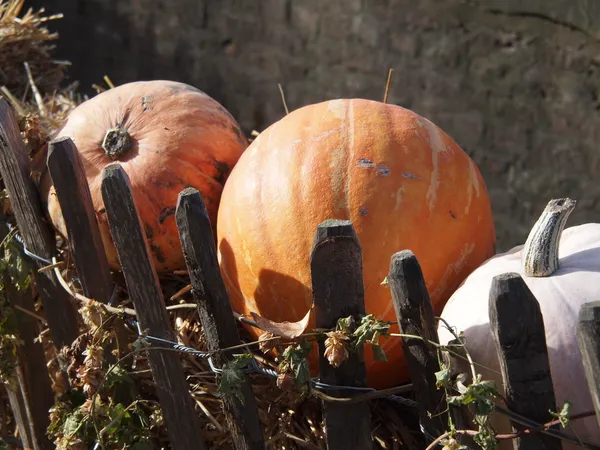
[520, 339]
[338, 291]
[182, 421]
[588, 336]
[414, 313]
[37, 235]
[216, 314]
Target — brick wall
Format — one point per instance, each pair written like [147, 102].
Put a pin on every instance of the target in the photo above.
[515, 83]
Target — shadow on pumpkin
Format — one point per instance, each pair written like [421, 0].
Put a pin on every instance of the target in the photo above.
[277, 293]
[578, 261]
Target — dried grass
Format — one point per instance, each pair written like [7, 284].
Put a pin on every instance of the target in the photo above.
[30, 79]
[23, 37]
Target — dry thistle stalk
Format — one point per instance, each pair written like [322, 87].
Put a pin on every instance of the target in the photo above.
[93, 315]
[90, 373]
[336, 348]
[267, 341]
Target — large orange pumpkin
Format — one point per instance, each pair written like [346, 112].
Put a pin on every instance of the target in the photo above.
[400, 179]
[167, 136]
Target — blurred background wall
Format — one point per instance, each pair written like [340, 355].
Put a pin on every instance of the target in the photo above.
[515, 83]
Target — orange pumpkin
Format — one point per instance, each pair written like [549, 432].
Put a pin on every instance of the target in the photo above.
[402, 181]
[167, 136]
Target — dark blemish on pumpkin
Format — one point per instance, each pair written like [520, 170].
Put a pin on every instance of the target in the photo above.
[222, 171]
[239, 134]
[166, 212]
[410, 176]
[158, 252]
[164, 183]
[363, 211]
[452, 214]
[149, 232]
[145, 102]
[383, 170]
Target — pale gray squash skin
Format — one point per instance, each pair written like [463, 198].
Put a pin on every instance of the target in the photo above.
[562, 270]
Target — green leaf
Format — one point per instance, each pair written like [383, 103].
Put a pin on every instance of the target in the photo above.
[294, 360]
[345, 324]
[232, 377]
[486, 438]
[563, 415]
[379, 353]
[73, 423]
[369, 330]
[442, 378]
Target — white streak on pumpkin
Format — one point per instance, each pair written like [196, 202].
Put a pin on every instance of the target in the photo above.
[474, 177]
[473, 184]
[454, 268]
[337, 108]
[325, 134]
[338, 160]
[399, 193]
[436, 143]
[350, 154]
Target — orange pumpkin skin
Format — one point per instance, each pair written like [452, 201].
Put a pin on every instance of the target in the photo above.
[400, 179]
[179, 137]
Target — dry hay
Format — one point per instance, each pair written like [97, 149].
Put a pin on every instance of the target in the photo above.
[24, 38]
[288, 420]
[30, 80]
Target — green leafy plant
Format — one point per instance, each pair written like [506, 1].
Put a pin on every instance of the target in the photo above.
[294, 363]
[14, 274]
[231, 378]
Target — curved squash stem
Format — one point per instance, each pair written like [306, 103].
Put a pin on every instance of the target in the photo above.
[540, 252]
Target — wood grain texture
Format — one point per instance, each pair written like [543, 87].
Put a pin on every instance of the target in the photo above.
[216, 314]
[36, 234]
[182, 421]
[30, 394]
[588, 337]
[519, 336]
[414, 313]
[73, 192]
[32, 373]
[338, 291]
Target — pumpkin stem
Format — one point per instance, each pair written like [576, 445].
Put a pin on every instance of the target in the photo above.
[540, 252]
[116, 142]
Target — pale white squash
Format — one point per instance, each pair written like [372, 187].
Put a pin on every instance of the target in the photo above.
[562, 277]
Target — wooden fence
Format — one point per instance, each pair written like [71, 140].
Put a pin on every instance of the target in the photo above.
[336, 264]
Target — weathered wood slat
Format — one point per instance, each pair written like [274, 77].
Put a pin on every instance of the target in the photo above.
[519, 336]
[414, 313]
[73, 192]
[30, 394]
[182, 421]
[216, 314]
[338, 291]
[31, 371]
[588, 336]
[36, 234]
[19, 409]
